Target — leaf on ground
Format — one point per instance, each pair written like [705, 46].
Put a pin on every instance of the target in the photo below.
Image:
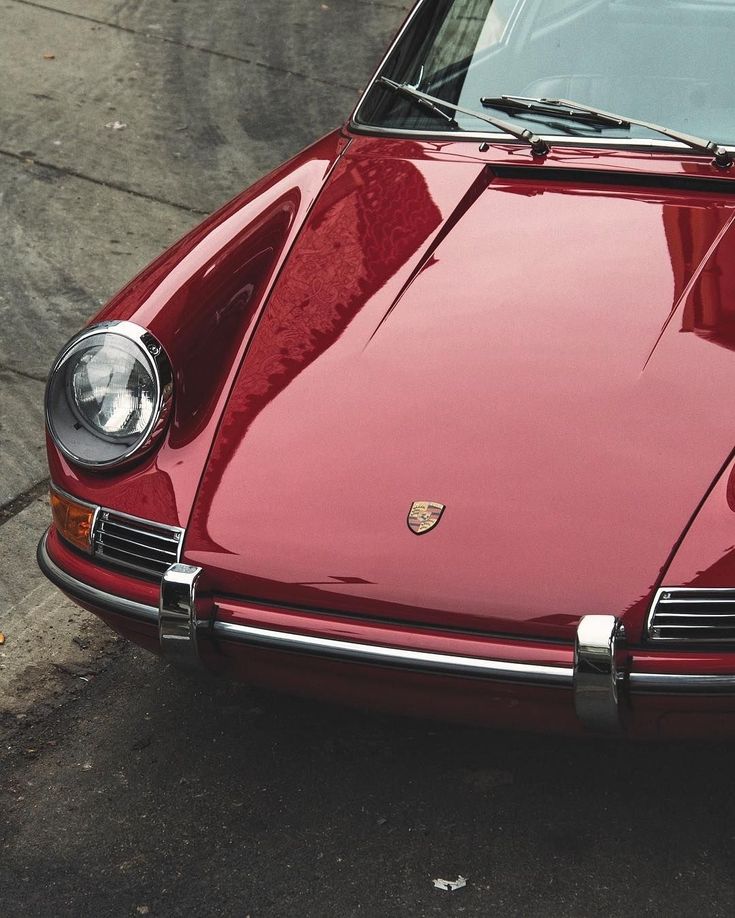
[451, 885]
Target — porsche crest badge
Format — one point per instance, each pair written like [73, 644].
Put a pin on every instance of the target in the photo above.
[424, 515]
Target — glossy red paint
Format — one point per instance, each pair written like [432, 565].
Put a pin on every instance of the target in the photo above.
[391, 634]
[543, 347]
[706, 556]
[510, 346]
[201, 299]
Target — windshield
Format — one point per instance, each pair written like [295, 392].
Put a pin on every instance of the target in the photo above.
[669, 62]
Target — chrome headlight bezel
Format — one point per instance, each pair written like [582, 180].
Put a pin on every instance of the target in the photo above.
[79, 443]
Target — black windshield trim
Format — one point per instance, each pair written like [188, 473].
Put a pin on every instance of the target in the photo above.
[542, 173]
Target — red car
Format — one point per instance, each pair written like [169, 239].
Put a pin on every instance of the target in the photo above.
[436, 417]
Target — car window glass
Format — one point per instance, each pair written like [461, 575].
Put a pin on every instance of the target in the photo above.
[664, 61]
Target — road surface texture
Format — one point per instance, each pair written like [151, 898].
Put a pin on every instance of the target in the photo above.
[127, 788]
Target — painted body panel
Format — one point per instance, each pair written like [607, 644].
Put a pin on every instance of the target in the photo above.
[521, 350]
[201, 299]
[706, 556]
[548, 354]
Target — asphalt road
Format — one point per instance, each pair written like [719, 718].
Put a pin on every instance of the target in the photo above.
[127, 788]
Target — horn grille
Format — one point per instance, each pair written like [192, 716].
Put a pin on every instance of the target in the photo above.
[689, 616]
[126, 541]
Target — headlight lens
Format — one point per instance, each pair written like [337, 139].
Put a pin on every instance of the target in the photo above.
[113, 393]
[109, 394]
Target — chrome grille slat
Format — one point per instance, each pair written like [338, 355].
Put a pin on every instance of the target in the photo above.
[109, 537]
[688, 616]
[685, 594]
[140, 545]
[114, 550]
[696, 627]
[112, 526]
[696, 604]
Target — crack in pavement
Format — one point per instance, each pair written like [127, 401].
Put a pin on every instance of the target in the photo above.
[165, 39]
[115, 186]
[4, 368]
[17, 504]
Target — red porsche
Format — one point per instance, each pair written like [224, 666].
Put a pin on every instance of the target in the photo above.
[436, 417]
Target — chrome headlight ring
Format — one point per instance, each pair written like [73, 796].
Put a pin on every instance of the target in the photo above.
[109, 395]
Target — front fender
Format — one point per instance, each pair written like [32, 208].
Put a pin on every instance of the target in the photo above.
[202, 299]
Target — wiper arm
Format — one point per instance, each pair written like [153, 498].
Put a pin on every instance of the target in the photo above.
[566, 108]
[424, 102]
[538, 146]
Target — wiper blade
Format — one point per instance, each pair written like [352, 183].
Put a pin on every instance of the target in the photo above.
[550, 107]
[538, 146]
[578, 111]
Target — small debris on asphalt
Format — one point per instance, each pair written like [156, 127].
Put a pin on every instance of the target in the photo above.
[2, 638]
[48, 56]
[450, 885]
[116, 125]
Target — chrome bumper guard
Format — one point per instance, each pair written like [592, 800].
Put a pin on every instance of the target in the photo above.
[177, 621]
[595, 680]
[596, 677]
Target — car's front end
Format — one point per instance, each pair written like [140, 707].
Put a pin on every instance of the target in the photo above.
[433, 418]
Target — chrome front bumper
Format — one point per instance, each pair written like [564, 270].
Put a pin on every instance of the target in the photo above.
[594, 678]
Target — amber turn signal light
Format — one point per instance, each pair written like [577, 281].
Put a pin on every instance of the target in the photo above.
[74, 521]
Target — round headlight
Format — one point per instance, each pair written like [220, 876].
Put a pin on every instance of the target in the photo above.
[109, 394]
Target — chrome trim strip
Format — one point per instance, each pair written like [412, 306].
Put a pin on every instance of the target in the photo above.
[557, 140]
[595, 672]
[395, 656]
[86, 593]
[638, 683]
[177, 616]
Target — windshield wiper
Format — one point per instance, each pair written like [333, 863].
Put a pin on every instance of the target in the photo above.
[538, 146]
[552, 107]
[423, 102]
[577, 111]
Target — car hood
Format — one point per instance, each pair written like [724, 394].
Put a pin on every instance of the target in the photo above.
[548, 355]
